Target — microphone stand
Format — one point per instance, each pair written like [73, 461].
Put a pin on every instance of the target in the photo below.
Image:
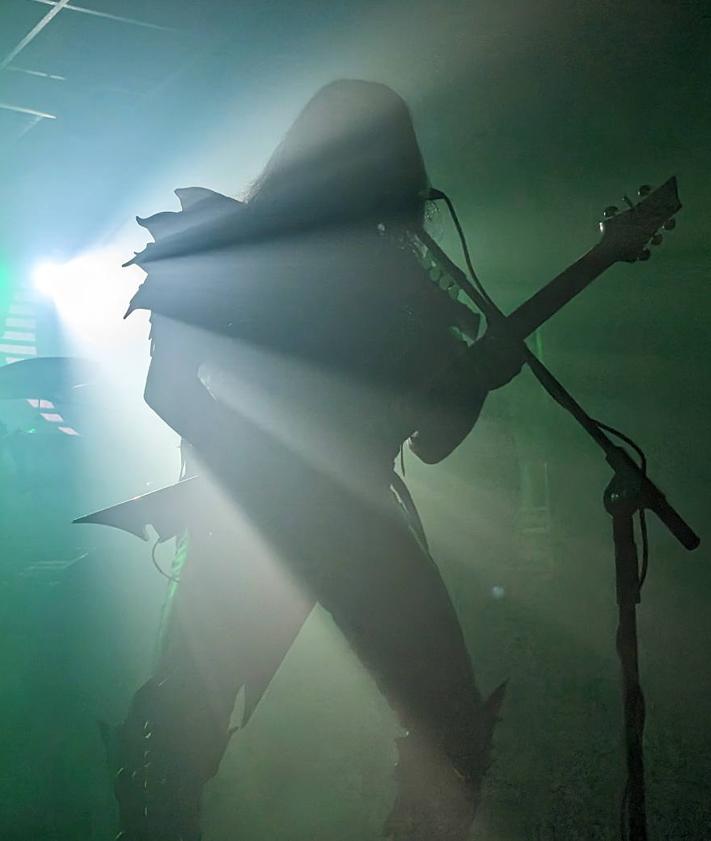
[629, 491]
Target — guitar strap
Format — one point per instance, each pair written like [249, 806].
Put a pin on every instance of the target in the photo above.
[468, 322]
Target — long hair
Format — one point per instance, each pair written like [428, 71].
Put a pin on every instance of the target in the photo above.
[351, 154]
[350, 157]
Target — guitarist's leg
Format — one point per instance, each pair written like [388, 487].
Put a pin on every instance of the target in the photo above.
[231, 623]
[395, 612]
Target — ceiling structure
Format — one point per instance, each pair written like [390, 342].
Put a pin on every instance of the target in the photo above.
[46, 77]
[74, 79]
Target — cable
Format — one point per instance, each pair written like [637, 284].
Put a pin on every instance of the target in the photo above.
[160, 569]
[645, 547]
[623, 809]
[438, 194]
[642, 575]
[627, 440]
[642, 516]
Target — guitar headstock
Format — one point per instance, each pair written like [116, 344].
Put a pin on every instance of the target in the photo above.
[626, 233]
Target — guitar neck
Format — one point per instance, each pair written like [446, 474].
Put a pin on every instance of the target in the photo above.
[539, 307]
[554, 295]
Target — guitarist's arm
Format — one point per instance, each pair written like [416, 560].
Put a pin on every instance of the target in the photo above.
[174, 390]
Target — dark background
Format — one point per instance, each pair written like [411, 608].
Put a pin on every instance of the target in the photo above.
[533, 116]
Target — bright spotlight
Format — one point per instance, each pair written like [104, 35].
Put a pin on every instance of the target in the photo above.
[46, 277]
[90, 293]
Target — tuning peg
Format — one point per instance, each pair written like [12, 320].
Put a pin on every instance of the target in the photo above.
[657, 239]
[610, 211]
[670, 224]
[644, 190]
[644, 254]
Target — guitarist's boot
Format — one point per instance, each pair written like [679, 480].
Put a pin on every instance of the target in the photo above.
[439, 780]
[162, 758]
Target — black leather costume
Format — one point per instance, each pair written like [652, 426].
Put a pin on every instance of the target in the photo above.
[295, 397]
